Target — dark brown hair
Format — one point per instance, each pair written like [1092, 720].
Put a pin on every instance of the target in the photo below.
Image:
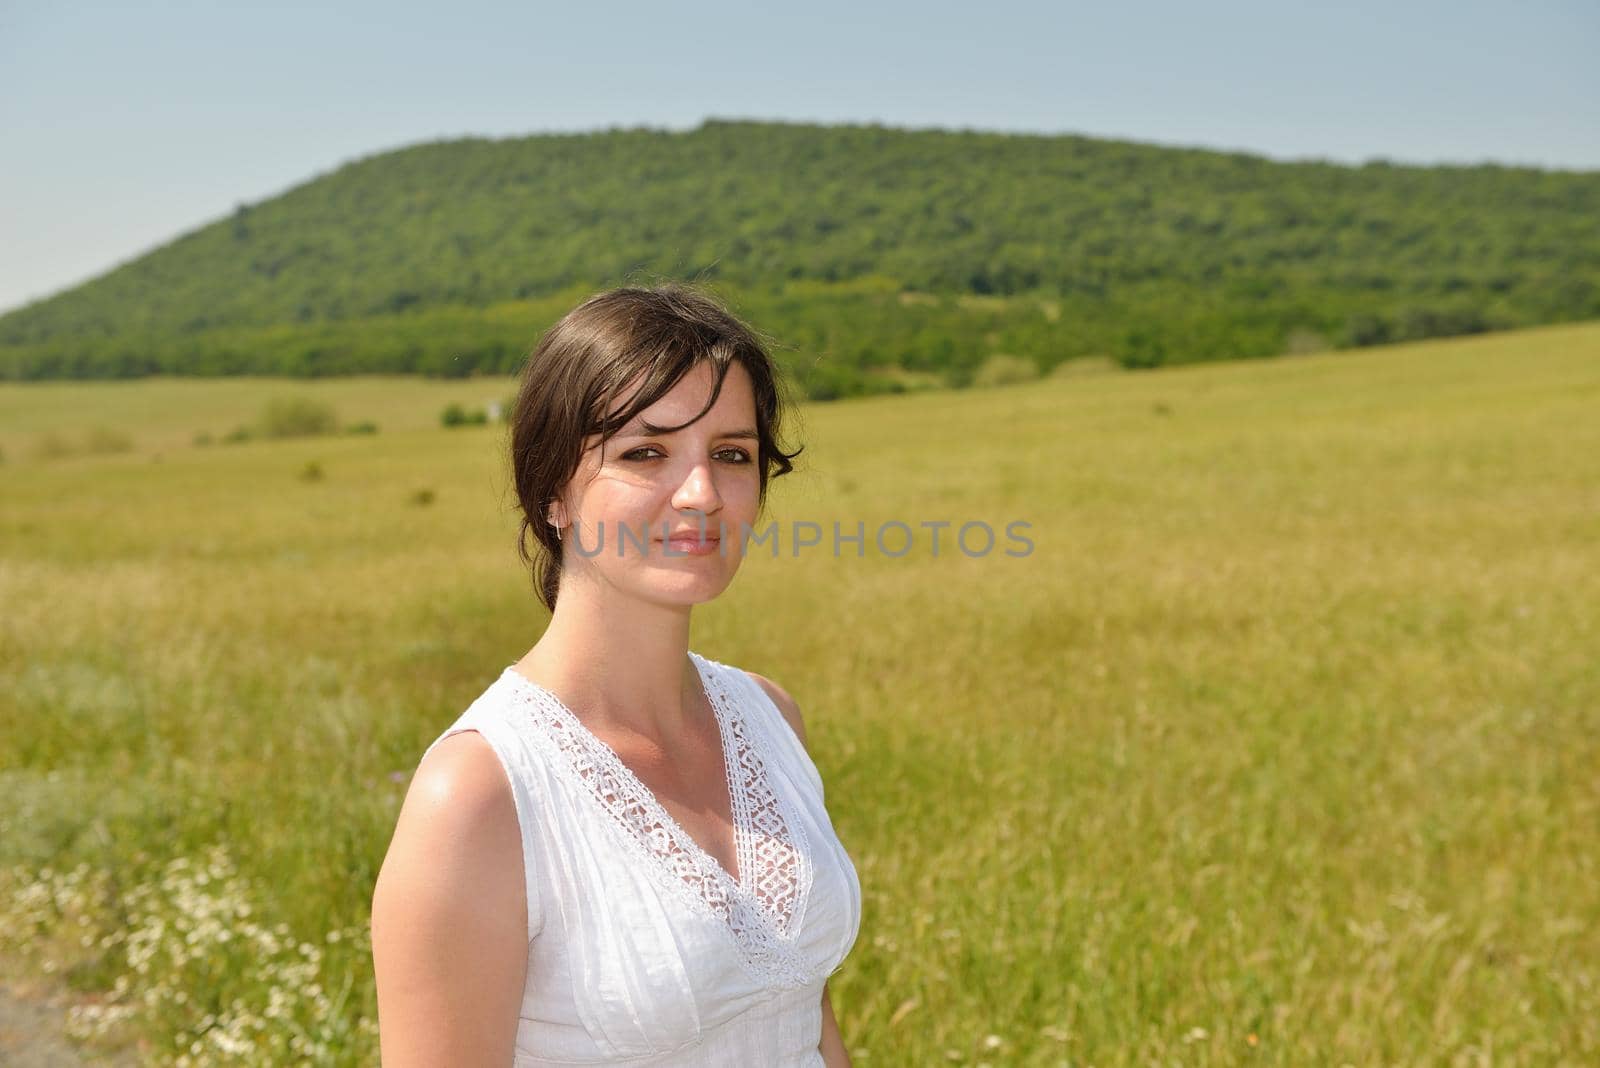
[573, 375]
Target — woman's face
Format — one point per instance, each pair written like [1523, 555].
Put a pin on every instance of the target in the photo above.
[647, 487]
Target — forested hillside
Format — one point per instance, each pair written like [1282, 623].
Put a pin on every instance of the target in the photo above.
[876, 257]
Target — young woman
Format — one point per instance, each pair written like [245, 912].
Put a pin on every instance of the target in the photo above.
[619, 853]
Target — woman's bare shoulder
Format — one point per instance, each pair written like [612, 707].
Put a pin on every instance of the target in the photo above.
[462, 778]
[786, 704]
[458, 815]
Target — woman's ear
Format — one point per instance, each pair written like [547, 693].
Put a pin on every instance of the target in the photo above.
[556, 515]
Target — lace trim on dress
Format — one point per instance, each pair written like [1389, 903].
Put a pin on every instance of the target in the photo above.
[761, 911]
[774, 858]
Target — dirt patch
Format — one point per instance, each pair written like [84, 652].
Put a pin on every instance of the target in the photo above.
[33, 1029]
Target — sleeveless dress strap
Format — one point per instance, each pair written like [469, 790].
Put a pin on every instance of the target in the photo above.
[775, 726]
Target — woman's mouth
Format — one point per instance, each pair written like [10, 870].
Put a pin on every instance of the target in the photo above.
[693, 544]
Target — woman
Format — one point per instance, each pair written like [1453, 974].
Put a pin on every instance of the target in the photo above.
[619, 852]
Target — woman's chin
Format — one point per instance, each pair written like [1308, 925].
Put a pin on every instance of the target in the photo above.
[692, 586]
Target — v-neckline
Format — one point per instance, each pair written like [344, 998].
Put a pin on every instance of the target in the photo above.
[659, 811]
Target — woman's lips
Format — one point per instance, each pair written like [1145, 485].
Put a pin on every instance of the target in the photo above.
[693, 546]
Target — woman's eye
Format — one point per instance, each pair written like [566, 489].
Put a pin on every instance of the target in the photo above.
[737, 456]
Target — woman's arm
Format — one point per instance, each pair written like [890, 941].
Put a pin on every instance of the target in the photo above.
[450, 915]
[834, 1055]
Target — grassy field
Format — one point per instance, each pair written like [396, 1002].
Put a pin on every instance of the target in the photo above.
[1282, 747]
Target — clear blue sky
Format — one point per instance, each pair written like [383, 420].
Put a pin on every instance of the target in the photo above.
[125, 124]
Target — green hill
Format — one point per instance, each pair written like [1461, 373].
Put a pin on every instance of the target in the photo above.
[877, 257]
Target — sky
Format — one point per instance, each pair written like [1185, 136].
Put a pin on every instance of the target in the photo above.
[124, 125]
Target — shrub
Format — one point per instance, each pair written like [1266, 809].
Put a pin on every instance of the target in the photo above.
[52, 446]
[203, 438]
[311, 472]
[296, 417]
[1002, 369]
[456, 415]
[1304, 342]
[367, 427]
[238, 434]
[1417, 323]
[104, 440]
[422, 498]
[1367, 329]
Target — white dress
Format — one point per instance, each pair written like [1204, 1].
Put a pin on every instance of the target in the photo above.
[642, 949]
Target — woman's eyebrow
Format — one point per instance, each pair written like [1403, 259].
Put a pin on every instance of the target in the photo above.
[643, 428]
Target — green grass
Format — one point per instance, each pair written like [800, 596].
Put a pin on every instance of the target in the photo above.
[1280, 748]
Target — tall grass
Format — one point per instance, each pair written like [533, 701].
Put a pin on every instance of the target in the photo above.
[1279, 748]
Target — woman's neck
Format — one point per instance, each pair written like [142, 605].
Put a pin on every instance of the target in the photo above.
[625, 665]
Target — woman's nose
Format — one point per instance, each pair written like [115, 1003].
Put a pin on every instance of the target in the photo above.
[698, 490]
